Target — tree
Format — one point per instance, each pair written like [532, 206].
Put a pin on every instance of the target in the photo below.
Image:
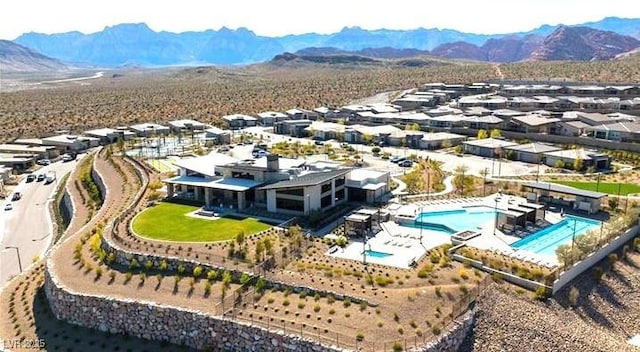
[412, 127]
[482, 134]
[613, 203]
[446, 144]
[367, 138]
[495, 133]
[578, 164]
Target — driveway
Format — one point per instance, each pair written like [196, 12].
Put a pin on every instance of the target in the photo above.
[28, 225]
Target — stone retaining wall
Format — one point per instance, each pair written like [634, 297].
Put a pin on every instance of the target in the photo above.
[149, 320]
[451, 339]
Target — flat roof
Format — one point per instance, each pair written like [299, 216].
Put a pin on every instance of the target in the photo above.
[310, 179]
[533, 148]
[205, 164]
[25, 148]
[184, 122]
[358, 217]
[554, 187]
[438, 136]
[490, 143]
[365, 174]
[229, 184]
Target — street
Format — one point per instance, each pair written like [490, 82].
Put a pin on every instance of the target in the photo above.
[28, 226]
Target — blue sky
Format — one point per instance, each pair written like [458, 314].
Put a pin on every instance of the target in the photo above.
[280, 17]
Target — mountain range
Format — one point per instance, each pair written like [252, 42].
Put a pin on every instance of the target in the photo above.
[17, 58]
[137, 44]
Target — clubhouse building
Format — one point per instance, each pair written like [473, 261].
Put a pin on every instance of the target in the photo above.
[278, 185]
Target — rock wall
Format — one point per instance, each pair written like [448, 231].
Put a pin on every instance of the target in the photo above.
[451, 339]
[149, 320]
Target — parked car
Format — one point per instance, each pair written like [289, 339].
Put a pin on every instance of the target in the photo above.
[16, 196]
[9, 206]
[68, 157]
[397, 159]
[405, 163]
[43, 162]
[50, 177]
[41, 177]
[31, 178]
[319, 142]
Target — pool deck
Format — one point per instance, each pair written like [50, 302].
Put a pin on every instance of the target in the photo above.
[495, 241]
[404, 243]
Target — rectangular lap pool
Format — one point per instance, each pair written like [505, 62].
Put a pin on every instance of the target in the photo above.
[376, 254]
[547, 240]
[451, 221]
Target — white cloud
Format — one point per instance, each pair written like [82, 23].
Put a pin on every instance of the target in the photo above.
[279, 17]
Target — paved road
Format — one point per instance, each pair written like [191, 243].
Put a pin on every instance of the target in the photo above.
[28, 225]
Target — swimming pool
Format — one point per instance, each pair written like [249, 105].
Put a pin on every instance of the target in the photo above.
[452, 221]
[376, 254]
[547, 240]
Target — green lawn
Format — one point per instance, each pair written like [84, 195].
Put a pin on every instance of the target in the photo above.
[169, 222]
[604, 187]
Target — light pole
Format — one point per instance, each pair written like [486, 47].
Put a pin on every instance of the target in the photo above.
[573, 238]
[18, 253]
[308, 204]
[495, 210]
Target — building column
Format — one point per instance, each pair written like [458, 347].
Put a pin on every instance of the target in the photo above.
[207, 196]
[333, 193]
[241, 200]
[183, 188]
[170, 190]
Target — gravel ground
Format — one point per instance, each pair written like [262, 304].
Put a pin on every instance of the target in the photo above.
[606, 315]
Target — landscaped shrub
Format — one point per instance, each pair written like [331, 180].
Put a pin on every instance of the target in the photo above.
[181, 269]
[436, 330]
[163, 265]
[316, 308]
[346, 302]
[98, 273]
[598, 272]
[197, 271]
[133, 265]
[359, 336]
[438, 291]
[148, 264]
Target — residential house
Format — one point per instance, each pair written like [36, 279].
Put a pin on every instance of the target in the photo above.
[568, 157]
[618, 131]
[571, 128]
[269, 118]
[294, 128]
[186, 125]
[150, 130]
[437, 140]
[529, 153]
[217, 135]
[110, 135]
[487, 147]
[239, 121]
[532, 124]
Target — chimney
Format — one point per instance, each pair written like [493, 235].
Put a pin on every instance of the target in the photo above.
[272, 162]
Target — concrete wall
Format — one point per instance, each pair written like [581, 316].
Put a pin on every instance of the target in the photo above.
[587, 263]
[153, 321]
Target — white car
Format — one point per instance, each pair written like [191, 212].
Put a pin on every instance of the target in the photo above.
[9, 206]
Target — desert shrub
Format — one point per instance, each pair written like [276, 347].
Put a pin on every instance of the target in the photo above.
[542, 293]
[613, 258]
[436, 330]
[397, 347]
[598, 272]
[359, 336]
[438, 291]
[574, 294]
[316, 308]
[346, 302]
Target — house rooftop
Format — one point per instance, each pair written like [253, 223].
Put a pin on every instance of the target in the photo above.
[490, 143]
[553, 187]
[310, 179]
[533, 148]
[205, 164]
